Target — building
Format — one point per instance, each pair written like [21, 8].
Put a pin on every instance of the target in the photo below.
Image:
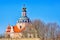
[22, 29]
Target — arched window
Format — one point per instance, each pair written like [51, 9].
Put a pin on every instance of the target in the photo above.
[20, 27]
[25, 21]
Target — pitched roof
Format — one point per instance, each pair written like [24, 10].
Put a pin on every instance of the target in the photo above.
[17, 30]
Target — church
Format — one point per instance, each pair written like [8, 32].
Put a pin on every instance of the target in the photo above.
[22, 29]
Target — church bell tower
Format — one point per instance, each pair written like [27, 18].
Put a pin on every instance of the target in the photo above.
[23, 20]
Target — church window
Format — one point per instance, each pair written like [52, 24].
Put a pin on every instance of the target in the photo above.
[20, 27]
[25, 21]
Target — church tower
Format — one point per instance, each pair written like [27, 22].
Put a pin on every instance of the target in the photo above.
[24, 20]
[23, 27]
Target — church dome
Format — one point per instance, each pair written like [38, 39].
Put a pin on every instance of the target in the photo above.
[23, 19]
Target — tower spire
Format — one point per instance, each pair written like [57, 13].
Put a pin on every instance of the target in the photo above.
[24, 10]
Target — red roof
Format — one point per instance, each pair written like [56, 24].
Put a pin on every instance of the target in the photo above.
[8, 28]
[16, 29]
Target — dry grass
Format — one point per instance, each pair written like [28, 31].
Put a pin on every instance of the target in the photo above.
[20, 39]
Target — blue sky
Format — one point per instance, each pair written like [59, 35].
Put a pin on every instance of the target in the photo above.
[45, 10]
